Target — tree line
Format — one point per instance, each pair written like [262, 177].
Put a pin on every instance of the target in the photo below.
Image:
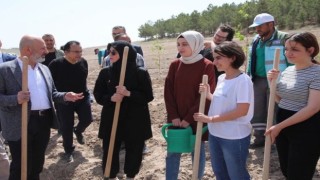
[289, 14]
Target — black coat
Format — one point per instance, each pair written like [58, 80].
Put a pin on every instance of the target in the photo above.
[134, 117]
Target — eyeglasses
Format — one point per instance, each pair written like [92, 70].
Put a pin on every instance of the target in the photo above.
[113, 52]
[77, 52]
[221, 37]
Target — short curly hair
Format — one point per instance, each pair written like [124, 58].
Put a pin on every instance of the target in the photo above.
[228, 29]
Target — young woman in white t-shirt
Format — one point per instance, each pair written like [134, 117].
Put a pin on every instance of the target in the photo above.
[230, 113]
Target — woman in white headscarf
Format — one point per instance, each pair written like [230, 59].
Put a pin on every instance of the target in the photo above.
[181, 93]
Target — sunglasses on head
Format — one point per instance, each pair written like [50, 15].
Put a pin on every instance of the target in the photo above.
[113, 52]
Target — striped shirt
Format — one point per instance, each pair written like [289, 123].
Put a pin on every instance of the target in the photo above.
[293, 87]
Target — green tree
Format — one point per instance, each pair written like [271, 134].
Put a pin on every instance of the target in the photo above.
[288, 14]
[146, 31]
[195, 21]
[182, 22]
[160, 28]
[206, 23]
[171, 27]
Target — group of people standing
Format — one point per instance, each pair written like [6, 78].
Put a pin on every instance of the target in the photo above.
[229, 113]
[235, 101]
[57, 89]
[239, 101]
[40, 97]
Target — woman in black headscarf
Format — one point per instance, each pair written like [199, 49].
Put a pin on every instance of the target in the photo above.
[134, 125]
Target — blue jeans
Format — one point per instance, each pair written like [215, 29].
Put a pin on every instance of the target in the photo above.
[173, 164]
[229, 157]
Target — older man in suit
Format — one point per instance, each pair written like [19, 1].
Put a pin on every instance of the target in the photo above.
[40, 96]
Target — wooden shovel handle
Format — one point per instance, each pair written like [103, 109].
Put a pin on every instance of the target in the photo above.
[24, 120]
[267, 146]
[116, 115]
[196, 155]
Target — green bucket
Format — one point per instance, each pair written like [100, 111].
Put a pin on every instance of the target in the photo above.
[180, 140]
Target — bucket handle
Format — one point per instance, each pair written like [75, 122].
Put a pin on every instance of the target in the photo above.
[164, 127]
[163, 130]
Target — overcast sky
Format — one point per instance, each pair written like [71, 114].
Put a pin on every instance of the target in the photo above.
[87, 21]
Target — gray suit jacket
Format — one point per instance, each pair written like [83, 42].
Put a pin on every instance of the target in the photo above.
[10, 85]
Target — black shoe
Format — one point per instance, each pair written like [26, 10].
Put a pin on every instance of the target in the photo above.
[68, 157]
[259, 139]
[258, 142]
[80, 137]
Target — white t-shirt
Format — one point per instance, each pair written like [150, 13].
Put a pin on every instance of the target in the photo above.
[227, 94]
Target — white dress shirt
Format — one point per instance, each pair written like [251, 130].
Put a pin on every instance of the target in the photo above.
[37, 88]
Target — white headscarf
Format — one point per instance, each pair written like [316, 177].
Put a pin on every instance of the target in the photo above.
[196, 42]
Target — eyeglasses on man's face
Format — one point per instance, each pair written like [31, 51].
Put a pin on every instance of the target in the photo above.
[221, 37]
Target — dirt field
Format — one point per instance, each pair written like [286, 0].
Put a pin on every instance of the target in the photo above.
[87, 158]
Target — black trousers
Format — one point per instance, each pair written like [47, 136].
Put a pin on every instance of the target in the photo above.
[38, 138]
[66, 117]
[298, 146]
[133, 156]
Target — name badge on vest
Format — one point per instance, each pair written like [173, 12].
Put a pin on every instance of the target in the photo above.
[276, 42]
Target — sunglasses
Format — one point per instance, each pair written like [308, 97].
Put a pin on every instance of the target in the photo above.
[113, 52]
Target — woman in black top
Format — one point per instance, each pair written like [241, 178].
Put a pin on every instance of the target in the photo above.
[134, 125]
